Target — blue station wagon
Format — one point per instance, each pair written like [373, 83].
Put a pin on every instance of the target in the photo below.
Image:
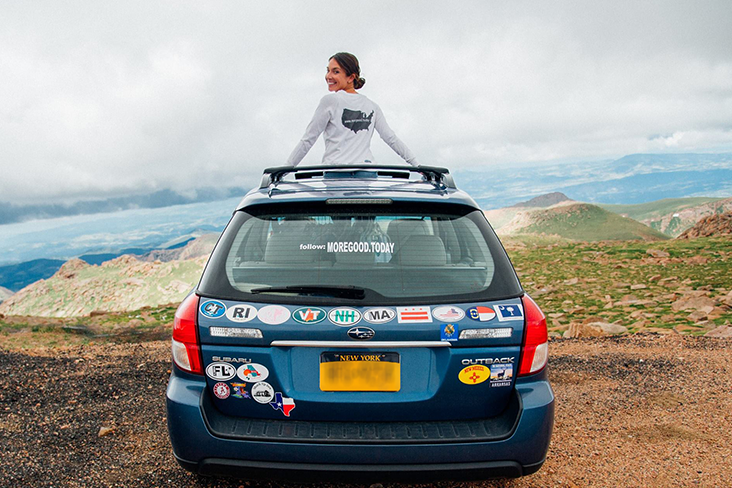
[357, 324]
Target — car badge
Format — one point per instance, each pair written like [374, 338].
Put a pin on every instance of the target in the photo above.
[361, 333]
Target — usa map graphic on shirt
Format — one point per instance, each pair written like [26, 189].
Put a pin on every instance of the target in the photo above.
[356, 120]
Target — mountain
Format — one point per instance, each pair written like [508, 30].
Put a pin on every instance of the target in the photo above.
[710, 226]
[5, 294]
[10, 213]
[673, 216]
[576, 221]
[122, 284]
[17, 276]
[201, 246]
[543, 201]
[636, 178]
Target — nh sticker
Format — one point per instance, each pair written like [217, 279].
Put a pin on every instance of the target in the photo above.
[343, 317]
[509, 312]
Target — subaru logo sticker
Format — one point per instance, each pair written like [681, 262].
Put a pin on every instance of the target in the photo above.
[361, 333]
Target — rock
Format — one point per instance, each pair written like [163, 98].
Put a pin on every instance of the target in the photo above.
[70, 268]
[105, 431]
[573, 281]
[697, 316]
[654, 278]
[583, 330]
[555, 335]
[608, 329]
[627, 300]
[657, 253]
[639, 286]
[723, 331]
[690, 302]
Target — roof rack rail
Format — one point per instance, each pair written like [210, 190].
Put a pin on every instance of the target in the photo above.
[434, 174]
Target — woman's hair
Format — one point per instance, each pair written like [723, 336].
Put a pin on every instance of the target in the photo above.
[349, 63]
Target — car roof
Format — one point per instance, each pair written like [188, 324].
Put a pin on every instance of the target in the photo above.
[352, 183]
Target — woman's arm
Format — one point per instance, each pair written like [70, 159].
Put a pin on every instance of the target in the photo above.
[392, 140]
[316, 127]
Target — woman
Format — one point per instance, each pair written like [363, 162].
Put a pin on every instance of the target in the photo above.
[348, 120]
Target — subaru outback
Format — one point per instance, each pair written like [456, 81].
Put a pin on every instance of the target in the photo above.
[359, 323]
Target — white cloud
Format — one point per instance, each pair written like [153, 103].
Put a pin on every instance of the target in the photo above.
[136, 96]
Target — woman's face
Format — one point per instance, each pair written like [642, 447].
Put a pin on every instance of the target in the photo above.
[336, 77]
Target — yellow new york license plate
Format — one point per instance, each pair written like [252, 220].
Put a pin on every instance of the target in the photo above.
[356, 371]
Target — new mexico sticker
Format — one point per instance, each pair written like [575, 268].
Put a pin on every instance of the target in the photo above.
[472, 375]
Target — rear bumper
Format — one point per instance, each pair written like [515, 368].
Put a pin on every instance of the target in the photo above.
[208, 443]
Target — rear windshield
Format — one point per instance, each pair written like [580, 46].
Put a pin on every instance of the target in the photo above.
[365, 254]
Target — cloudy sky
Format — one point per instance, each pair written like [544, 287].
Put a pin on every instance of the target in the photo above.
[108, 98]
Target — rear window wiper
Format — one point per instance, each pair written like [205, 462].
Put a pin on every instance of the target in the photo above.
[329, 290]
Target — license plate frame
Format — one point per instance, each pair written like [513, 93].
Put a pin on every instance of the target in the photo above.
[349, 371]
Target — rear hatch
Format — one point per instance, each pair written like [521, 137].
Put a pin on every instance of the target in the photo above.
[361, 363]
[374, 313]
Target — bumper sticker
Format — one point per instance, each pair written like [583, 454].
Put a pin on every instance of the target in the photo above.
[241, 313]
[501, 374]
[509, 312]
[213, 309]
[262, 392]
[283, 403]
[473, 375]
[448, 314]
[449, 332]
[481, 314]
[273, 314]
[220, 371]
[239, 390]
[252, 373]
[414, 314]
[221, 390]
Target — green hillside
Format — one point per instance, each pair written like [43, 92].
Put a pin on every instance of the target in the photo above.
[586, 222]
[656, 209]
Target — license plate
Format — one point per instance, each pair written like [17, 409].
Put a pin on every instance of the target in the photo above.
[357, 371]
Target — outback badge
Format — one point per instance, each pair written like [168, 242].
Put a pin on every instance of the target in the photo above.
[361, 333]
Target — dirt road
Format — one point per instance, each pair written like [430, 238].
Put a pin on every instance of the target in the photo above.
[632, 411]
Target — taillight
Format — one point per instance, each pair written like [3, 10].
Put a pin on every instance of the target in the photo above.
[536, 339]
[186, 351]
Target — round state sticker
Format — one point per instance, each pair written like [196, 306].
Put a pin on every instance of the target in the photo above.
[221, 390]
[273, 314]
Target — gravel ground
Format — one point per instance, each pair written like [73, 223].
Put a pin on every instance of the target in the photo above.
[648, 410]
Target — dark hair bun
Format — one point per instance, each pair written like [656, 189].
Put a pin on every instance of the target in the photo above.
[358, 83]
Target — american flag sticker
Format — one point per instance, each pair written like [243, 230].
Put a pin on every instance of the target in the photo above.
[509, 312]
[413, 314]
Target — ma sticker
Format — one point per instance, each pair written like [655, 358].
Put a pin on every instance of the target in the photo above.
[252, 373]
[472, 375]
[263, 392]
[241, 313]
[213, 309]
[379, 315]
[273, 314]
